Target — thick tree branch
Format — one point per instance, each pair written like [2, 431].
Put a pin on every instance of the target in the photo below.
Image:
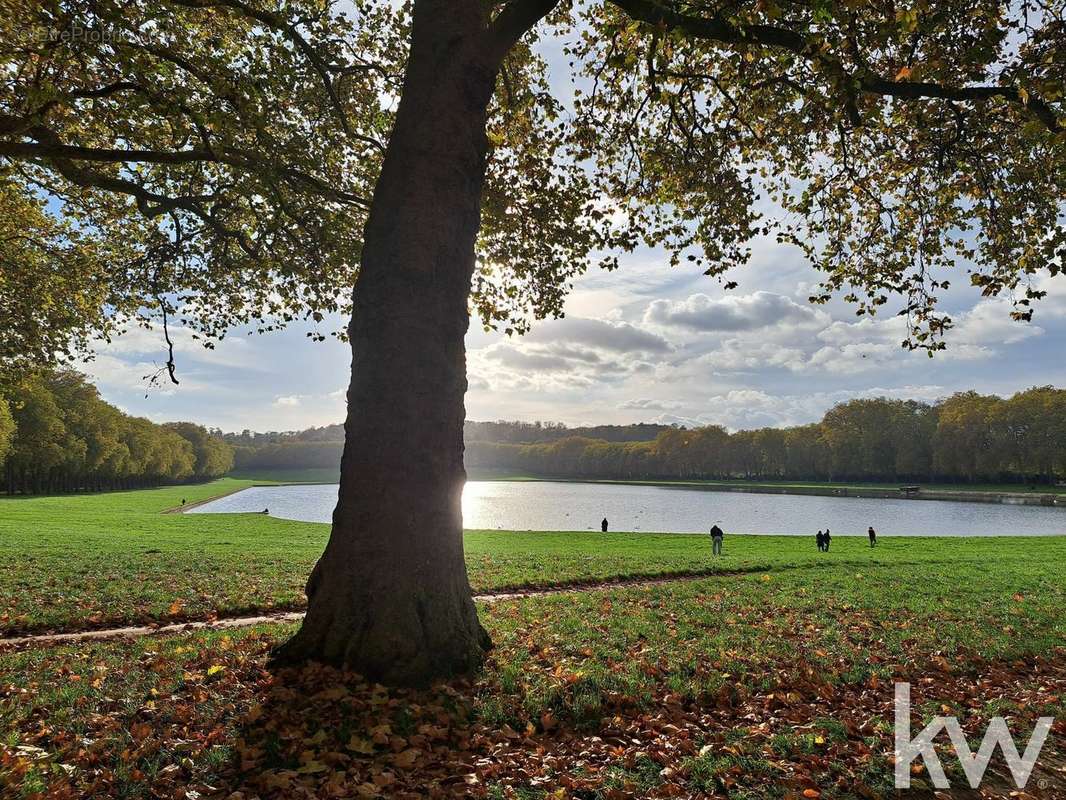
[33, 150]
[512, 23]
[50, 149]
[716, 28]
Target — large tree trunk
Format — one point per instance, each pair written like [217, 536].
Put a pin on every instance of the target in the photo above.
[390, 597]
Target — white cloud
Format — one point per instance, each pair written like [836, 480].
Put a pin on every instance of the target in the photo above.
[734, 313]
[989, 322]
[648, 404]
[150, 342]
[609, 335]
[289, 401]
[568, 354]
[742, 355]
[111, 373]
[755, 408]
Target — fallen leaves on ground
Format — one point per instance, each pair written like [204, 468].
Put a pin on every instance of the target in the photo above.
[205, 718]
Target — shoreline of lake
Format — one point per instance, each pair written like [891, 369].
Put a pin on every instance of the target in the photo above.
[1050, 498]
[678, 508]
[1045, 499]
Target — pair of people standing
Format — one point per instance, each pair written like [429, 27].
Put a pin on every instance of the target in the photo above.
[824, 540]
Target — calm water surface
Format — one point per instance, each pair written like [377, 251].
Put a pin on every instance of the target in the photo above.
[547, 506]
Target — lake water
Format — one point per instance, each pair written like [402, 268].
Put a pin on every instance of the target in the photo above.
[543, 505]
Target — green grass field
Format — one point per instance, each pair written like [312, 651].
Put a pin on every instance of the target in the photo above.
[770, 679]
[763, 685]
[97, 560]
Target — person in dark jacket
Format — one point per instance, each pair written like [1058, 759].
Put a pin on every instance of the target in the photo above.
[873, 536]
[820, 538]
[717, 535]
[603, 525]
[827, 539]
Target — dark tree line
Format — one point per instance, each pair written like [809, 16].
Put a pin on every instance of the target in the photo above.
[317, 448]
[517, 432]
[967, 437]
[58, 435]
[289, 454]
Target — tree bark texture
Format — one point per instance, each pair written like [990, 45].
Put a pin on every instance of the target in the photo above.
[390, 597]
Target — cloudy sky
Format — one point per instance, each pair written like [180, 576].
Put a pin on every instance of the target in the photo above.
[645, 343]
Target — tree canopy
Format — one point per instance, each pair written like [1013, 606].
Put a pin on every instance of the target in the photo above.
[213, 160]
[58, 435]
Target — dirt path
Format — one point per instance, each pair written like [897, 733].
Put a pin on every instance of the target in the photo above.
[221, 623]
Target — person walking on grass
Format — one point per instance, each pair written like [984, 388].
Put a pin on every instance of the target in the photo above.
[820, 538]
[603, 525]
[717, 535]
[827, 539]
[873, 536]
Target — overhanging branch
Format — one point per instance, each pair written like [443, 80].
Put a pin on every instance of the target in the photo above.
[716, 28]
[512, 23]
[49, 148]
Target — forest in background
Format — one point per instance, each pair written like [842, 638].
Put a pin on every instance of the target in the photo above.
[319, 448]
[58, 435]
[968, 437]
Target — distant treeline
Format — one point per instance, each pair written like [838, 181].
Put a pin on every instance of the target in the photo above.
[968, 437]
[534, 432]
[317, 448]
[58, 435]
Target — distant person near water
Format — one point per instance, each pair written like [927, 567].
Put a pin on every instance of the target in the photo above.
[827, 539]
[873, 536]
[603, 525]
[820, 538]
[717, 535]
[266, 511]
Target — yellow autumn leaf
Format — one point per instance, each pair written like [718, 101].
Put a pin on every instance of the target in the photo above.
[357, 744]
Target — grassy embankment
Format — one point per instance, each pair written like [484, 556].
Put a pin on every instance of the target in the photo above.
[97, 560]
[776, 682]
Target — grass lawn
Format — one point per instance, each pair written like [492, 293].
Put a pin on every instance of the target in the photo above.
[771, 679]
[98, 560]
[774, 684]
